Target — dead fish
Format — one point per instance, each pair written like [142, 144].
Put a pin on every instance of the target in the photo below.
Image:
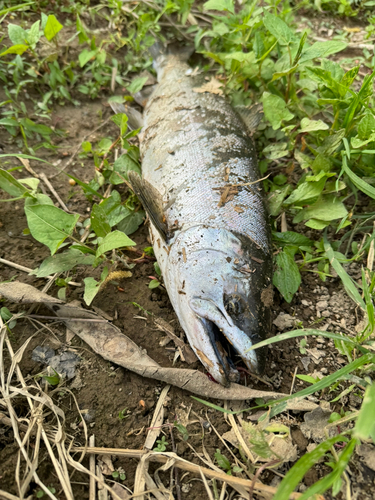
[209, 225]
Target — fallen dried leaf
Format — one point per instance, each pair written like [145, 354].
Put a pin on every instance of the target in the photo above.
[213, 87]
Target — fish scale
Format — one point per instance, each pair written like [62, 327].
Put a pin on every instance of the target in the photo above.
[216, 260]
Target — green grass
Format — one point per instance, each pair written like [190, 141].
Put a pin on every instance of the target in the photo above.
[317, 142]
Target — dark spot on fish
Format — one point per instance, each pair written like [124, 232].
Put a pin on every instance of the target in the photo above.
[181, 292]
[229, 259]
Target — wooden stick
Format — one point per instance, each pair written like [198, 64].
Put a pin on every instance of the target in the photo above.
[28, 270]
[92, 490]
[184, 465]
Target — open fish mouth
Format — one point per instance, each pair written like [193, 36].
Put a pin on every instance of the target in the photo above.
[225, 338]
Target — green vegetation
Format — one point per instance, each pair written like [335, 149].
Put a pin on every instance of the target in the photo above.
[316, 144]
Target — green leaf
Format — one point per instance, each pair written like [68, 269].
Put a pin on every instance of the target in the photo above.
[222, 460]
[322, 49]
[9, 184]
[357, 181]
[316, 224]
[85, 56]
[137, 84]
[33, 34]
[63, 262]
[276, 199]
[116, 239]
[114, 210]
[304, 160]
[92, 288]
[50, 225]
[19, 48]
[304, 464]
[356, 142]
[275, 110]
[306, 193]
[287, 277]
[52, 27]
[123, 165]
[154, 284]
[347, 281]
[278, 29]
[366, 126]
[365, 425]
[131, 223]
[321, 163]
[219, 5]
[308, 125]
[327, 208]
[99, 221]
[292, 238]
[17, 35]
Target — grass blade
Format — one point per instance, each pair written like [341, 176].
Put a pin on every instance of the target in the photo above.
[326, 482]
[304, 464]
[347, 281]
[365, 425]
[301, 333]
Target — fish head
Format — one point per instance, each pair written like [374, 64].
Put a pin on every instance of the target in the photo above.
[221, 297]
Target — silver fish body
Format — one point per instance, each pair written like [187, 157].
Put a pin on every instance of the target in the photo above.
[216, 261]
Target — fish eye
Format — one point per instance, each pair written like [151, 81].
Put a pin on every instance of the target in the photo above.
[233, 305]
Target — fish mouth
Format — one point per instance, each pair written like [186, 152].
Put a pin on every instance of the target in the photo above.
[225, 338]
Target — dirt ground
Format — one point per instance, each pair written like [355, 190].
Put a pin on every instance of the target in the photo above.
[104, 390]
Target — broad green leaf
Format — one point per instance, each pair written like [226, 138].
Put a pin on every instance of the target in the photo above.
[99, 221]
[316, 224]
[327, 208]
[131, 223]
[356, 142]
[122, 165]
[331, 143]
[219, 5]
[137, 84]
[33, 34]
[114, 210]
[287, 277]
[350, 286]
[322, 49]
[52, 27]
[63, 262]
[303, 465]
[306, 193]
[92, 288]
[10, 185]
[365, 425]
[248, 57]
[19, 48]
[357, 181]
[276, 199]
[275, 110]
[85, 56]
[115, 239]
[366, 126]
[326, 482]
[292, 238]
[17, 35]
[321, 163]
[222, 460]
[38, 199]
[278, 29]
[308, 125]
[50, 225]
[304, 160]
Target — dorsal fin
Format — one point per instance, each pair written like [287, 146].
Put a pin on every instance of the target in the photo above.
[152, 202]
[250, 116]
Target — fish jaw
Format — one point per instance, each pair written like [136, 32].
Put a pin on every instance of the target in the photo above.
[214, 300]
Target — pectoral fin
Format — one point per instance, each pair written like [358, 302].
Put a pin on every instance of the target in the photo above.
[152, 202]
[250, 116]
